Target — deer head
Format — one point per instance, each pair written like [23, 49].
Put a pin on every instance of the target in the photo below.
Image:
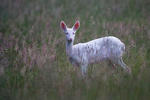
[70, 32]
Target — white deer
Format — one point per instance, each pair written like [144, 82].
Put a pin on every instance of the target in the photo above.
[82, 54]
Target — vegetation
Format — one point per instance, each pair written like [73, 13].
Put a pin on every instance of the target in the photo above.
[33, 62]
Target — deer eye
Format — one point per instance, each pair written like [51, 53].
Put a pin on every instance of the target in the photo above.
[66, 33]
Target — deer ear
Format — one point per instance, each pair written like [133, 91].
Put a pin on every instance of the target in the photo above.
[63, 26]
[76, 26]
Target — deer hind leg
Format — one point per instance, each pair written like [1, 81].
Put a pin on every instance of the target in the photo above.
[112, 64]
[123, 65]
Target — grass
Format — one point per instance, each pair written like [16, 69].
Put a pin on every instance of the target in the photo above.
[33, 62]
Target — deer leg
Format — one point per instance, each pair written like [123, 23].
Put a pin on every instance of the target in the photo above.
[113, 65]
[84, 69]
[123, 65]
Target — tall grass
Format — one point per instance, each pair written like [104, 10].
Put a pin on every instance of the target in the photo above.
[33, 62]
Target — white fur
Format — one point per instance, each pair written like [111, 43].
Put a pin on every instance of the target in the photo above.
[105, 48]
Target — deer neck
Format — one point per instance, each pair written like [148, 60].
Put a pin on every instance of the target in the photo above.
[69, 46]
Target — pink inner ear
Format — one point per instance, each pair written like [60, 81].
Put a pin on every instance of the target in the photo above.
[76, 26]
[63, 26]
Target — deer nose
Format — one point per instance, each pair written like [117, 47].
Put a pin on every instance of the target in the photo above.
[70, 40]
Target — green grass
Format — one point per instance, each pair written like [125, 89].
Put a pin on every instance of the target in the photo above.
[33, 61]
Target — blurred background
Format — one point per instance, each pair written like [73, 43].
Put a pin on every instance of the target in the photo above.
[33, 62]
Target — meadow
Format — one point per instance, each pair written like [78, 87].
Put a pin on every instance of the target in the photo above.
[33, 61]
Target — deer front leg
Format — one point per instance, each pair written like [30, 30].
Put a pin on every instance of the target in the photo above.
[84, 69]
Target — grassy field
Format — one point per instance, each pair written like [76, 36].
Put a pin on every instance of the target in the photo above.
[33, 62]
